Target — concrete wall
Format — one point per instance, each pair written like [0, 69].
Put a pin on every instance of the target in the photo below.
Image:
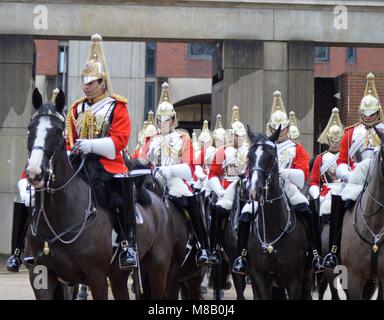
[183, 88]
[253, 70]
[281, 20]
[126, 66]
[16, 57]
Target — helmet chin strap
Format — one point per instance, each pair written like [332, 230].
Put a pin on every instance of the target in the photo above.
[93, 95]
[371, 123]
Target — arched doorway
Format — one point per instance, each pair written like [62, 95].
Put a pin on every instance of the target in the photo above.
[192, 111]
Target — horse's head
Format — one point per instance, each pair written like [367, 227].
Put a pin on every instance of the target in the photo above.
[380, 133]
[45, 136]
[262, 163]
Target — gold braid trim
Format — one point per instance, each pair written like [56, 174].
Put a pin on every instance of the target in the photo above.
[119, 98]
[70, 122]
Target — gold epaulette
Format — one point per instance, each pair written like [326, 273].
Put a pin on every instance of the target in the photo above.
[183, 133]
[71, 120]
[351, 126]
[119, 98]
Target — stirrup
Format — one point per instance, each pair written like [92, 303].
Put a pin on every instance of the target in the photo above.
[128, 250]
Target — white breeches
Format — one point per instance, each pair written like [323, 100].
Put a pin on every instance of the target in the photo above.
[229, 196]
[293, 193]
[356, 181]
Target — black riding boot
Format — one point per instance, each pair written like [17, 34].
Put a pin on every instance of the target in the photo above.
[240, 264]
[19, 230]
[202, 256]
[313, 233]
[335, 230]
[128, 257]
[219, 220]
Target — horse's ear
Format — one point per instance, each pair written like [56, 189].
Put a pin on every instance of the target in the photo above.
[37, 100]
[251, 134]
[275, 135]
[60, 101]
[380, 132]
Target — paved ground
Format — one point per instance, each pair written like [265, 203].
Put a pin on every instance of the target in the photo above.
[16, 286]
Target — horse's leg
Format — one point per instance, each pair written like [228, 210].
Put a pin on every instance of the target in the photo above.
[173, 286]
[216, 275]
[119, 285]
[261, 286]
[294, 289]
[192, 286]
[99, 288]
[158, 279]
[355, 286]
[239, 282]
[44, 289]
[331, 280]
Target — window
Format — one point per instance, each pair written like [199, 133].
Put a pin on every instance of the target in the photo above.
[350, 55]
[321, 54]
[201, 50]
[150, 59]
[150, 91]
[61, 65]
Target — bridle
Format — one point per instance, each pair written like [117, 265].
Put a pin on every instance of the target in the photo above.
[49, 177]
[263, 198]
[268, 246]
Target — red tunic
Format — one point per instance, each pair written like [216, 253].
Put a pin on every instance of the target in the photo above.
[346, 143]
[301, 160]
[217, 170]
[316, 179]
[119, 132]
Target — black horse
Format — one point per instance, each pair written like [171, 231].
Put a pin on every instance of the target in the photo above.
[71, 237]
[277, 245]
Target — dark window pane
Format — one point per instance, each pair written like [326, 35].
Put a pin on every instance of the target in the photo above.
[321, 53]
[149, 98]
[201, 50]
[150, 59]
[350, 55]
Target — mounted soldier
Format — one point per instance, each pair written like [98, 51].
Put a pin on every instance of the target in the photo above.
[294, 170]
[147, 133]
[99, 124]
[224, 174]
[324, 183]
[21, 205]
[203, 157]
[294, 132]
[359, 144]
[170, 152]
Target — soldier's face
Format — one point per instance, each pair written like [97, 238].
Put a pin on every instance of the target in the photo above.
[165, 126]
[283, 134]
[334, 146]
[371, 118]
[238, 141]
[93, 89]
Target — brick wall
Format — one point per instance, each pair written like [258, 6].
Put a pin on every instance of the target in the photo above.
[46, 57]
[367, 60]
[172, 61]
[352, 86]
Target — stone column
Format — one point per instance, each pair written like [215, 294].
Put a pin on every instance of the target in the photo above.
[253, 70]
[16, 58]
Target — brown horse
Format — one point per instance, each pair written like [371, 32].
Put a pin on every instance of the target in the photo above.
[184, 276]
[363, 234]
[71, 237]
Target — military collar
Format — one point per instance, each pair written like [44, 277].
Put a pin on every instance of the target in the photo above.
[97, 99]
